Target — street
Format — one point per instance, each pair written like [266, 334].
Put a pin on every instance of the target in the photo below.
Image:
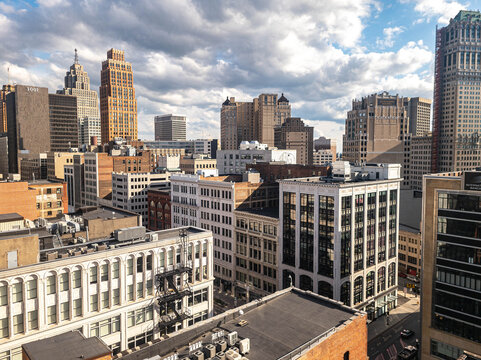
[388, 344]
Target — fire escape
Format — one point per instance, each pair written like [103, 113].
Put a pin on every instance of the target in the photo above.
[172, 287]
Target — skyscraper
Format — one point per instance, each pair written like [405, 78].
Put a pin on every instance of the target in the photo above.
[295, 135]
[170, 127]
[3, 106]
[457, 82]
[77, 82]
[118, 106]
[256, 120]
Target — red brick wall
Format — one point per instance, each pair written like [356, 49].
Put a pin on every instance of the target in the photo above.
[352, 338]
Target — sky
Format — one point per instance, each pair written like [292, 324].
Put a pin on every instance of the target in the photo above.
[189, 55]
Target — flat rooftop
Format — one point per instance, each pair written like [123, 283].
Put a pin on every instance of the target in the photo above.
[276, 325]
[68, 346]
[272, 212]
[10, 217]
[106, 213]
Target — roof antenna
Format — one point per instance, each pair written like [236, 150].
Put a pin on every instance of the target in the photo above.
[76, 57]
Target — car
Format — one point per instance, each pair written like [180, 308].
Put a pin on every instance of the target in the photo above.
[407, 333]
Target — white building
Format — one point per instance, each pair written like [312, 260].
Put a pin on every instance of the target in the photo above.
[321, 157]
[339, 236]
[129, 190]
[168, 162]
[199, 146]
[235, 161]
[106, 289]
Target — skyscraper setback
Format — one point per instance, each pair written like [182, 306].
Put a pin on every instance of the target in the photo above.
[118, 106]
[77, 82]
[457, 82]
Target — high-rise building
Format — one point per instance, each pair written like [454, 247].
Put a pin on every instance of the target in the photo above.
[3, 106]
[256, 120]
[63, 122]
[77, 82]
[118, 106]
[457, 81]
[420, 159]
[451, 269]
[419, 112]
[170, 127]
[294, 135]
[338, 237]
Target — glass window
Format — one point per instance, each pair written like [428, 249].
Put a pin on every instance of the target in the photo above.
[94, 306]
[104, 272]
[17, 292]
[17, 324]
[130, 266]
[32, 289]
[52, 314]
[130, 292]
[3, 295]
[63, 282]
[77, 307]
[51, 285]
[32, 320]
[76, 279]
[93, 275]
[115, 296]
[149, 262]
[105, 299]
[140, 290]
[140, 264]
[115, 270]
[4, 328]
[64, 311]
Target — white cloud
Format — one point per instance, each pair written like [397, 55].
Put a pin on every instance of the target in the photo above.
[443, 10]
[389, 34]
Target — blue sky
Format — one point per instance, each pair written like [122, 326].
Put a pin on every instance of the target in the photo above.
[188, 55]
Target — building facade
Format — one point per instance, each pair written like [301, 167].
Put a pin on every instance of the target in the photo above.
[160, 216]
[129, 191]
[419, 112]
[410, 246]
[63, 122]
[33, 167]
[199, 146]
[339, 238]
[194, 163]
[293, 134]
[170, 128]
[456, 114]
[421, 147]
[271, 172]
[236, 161]
[74, 177]
[118, 105]
[108, 292]
[3, 106]
[321, 157]
[451, 275]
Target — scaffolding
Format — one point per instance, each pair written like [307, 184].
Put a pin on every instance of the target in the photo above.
[172, 286]
[437, 96]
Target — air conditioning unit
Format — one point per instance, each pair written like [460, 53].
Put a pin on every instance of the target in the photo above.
[198, 355]
[221, 346]
[209, 351]
[232, 355]
[154, 237]
[232, 338]
[244, 346]
[220, 355]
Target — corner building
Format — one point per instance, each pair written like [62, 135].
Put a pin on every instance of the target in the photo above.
[118, 106]
[338, 236]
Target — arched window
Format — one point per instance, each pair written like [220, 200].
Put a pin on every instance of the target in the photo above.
[152, 204]
[305, 283]
[391, 275]
[381, 279]
[159, 205]
[325, 289]
[370, 284]
[358, 290]
[346, 293]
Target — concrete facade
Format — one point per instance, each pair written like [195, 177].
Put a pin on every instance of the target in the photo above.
[293, 134]
[170, 127]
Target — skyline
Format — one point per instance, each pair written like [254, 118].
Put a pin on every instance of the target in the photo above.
[188, 56]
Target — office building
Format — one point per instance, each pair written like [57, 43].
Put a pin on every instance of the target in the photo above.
[294, 135]
[170, 128]
[321, 157]
[410, 250]
[323, 143]
[63, 122]
[118, 105]
[114, 288]
[209, 203]
[199, 146]
[256, 120]
[129, 191]
[193, 163]
[421, 147]
[256, 243]
[33, 166]
[284, 325]
[451, 269]
[456, 115]
[328, 239]
[56, 161]
[77, 82]
[159, 213]
[3, 106]
[4, 156]
[74, 177]
[419, 113]
[237, 161]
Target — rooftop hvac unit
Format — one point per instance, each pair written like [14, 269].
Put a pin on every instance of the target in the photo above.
[198, 355]
[209, 351]
[232, 355]
[232, 338]
[244, 346]
[221, 345]
[154, 237]
[95, 246]
[220, 356]
[131, 233]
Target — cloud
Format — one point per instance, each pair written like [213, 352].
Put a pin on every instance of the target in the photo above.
[389, 34]
[188, 55]
[443, 10]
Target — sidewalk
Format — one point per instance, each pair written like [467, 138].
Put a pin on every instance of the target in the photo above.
[378, 326]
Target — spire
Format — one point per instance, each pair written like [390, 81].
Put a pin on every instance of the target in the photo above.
[76, 57]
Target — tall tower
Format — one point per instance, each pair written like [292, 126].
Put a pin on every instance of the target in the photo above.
[170, 127]
[77, 82]
[457, 86]
[118, 106]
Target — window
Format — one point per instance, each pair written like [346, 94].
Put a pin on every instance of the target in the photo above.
[149, 286]
[116, 297]
[139, 316]
[104, 272]
[32, 289]
[105, 327]
[130, 292]
[93, 275]
[115, 270]
[51, 285]
[17, 324]
[140, 290]
[140, 264]
[130, 266]
[76, 279]
[17, 292]
[3, 328]
[104, 297]
[149, 262]
[64, 311]
[346, 355]
[32, 319]
[3, 295]
[63, 282]
[77, 307]
[51, 314]
[94, 302]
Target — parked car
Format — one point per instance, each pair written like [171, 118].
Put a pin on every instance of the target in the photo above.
[407, 333]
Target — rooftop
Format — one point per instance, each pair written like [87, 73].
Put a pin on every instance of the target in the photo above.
[466, 15]
[277, 325]
[10, 217]
[272, 212]
[68, 346]
[105, 213]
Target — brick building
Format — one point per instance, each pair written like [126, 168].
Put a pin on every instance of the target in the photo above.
[159, 209]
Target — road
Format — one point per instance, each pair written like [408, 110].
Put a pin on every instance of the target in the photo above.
[387, 345]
